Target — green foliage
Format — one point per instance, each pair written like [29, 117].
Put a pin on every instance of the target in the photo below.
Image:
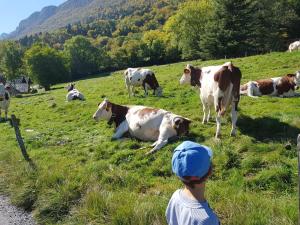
[83, 56]
[11, 55]
[187, 26]
[46, 66]
[83, 177]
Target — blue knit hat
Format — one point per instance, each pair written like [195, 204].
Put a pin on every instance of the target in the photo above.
[191, 159]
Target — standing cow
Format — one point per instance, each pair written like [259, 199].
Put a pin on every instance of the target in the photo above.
[219, 87]
[136, 77]
[295, 46]
[144, 123]
[4, 99]
[284, 86]
[73, 93]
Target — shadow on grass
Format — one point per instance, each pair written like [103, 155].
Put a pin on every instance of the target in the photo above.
[57, 88]
[267, 129]
[93, 76]
[190, 137]
[33, 95]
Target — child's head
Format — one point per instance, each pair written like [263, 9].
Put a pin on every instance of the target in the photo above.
[191, 162]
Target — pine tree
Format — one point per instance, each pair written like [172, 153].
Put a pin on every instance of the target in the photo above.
[230, 32]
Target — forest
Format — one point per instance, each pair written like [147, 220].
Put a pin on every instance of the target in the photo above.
[144, 33]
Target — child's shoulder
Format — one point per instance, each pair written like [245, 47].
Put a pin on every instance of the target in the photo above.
[176, 195]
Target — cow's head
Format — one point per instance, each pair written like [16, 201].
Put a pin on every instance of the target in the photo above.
[104, 111]
[191, 75]
[126, 72]
[181, 125]
[70, 87]
[8, 88]
[158, 91]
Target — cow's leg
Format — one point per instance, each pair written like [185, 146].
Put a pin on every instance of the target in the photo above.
[128, 90]
[6, 112]
[164, 134]
[218, 120]
[206, 114]
[158, 145]
[153, 144]
[145, 88]
[132, 91]
[121, 129]
[206, 110]
[234, 115]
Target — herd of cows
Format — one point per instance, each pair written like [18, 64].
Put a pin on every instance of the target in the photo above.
[220, 89]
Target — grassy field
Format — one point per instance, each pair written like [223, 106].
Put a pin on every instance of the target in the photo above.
[83, 177]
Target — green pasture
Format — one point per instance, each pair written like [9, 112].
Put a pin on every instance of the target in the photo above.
[83, 177]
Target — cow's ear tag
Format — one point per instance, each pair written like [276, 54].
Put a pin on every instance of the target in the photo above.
[186, 71]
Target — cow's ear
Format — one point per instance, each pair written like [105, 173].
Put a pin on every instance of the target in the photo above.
[186, 71]
[187, 120]
[177, 121]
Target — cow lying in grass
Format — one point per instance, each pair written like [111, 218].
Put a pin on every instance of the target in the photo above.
[144, 123]
[219, 87]
[4, 99]
[279, 86]
[136, 77]
[73, 93]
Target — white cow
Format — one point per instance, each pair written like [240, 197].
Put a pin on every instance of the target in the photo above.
[73, 93]
[144, 123]
[4, 99]
[219, 87]
[295, 46]
[136, 77]
[284, 86]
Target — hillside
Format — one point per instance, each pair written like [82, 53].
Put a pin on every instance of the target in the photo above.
[52, 18]
[83, 177]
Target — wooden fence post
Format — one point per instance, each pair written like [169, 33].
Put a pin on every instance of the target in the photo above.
[19, 138]
[298, 148]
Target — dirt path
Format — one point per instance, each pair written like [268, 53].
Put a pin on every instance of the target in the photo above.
[11, 215]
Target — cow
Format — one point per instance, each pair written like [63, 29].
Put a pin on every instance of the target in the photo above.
[295, 46]
[142, 122]
[73, 93]
[219, 87]
[135, 77]
[284, 86]
[4, 99]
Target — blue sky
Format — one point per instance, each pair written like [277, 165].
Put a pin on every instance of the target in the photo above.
[13, 11]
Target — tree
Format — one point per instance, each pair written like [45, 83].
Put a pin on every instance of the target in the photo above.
[11, 59]
[187, 26]
[230, 31]
[46, 66]
[84, 58]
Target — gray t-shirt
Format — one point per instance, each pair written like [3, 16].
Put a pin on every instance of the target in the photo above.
[183, 210]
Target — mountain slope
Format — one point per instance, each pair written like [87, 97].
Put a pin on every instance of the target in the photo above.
[51, 18]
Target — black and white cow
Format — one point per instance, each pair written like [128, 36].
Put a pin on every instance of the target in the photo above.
[73, 93]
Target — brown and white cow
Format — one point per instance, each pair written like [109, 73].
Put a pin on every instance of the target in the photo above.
[219, 87]
[144, 123]
[278, 86]
[136, 77]
[4, 99]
